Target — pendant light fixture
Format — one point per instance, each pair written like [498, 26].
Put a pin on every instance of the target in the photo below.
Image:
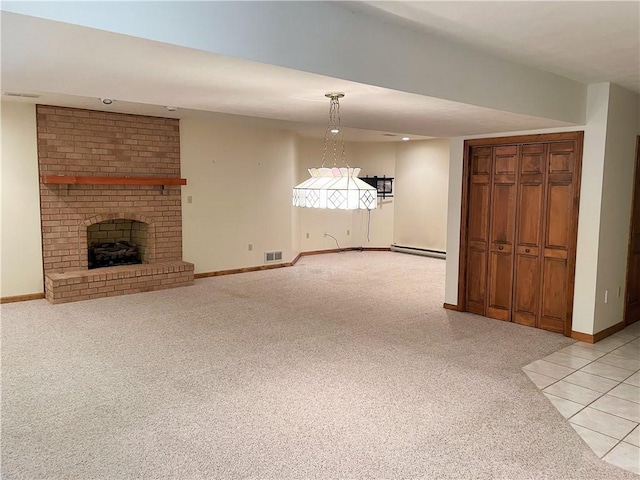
[337, 186]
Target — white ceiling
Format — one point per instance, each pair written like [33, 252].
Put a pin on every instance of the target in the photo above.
[74, 66]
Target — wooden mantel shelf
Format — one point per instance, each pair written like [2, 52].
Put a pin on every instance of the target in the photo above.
[74, 180]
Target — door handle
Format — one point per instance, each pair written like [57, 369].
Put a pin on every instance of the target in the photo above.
[527, 251]
[500, 247]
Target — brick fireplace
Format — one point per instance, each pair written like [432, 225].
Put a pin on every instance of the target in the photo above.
[109, 177]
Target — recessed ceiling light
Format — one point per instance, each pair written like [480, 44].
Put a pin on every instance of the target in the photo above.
[405, 139]
[171, 109]
[107, 101]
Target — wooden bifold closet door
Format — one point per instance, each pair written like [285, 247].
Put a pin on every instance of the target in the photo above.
[502, 217]
[520, 201]
[531, 183]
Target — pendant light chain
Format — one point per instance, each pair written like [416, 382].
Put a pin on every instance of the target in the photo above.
[326, 139]
[334, 113]
[334, 127]
[343, 156]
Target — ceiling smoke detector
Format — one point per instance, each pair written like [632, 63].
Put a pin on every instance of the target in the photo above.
[107, 101]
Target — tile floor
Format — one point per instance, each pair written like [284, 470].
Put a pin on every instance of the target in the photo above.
[597, 388]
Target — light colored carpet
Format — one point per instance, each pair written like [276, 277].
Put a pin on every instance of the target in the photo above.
[344, 366]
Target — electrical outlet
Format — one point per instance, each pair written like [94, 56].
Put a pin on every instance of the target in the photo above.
[348, 232]
[251, 247]
[189, 199]
[307, 235]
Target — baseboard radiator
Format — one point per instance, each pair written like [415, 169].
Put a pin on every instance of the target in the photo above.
[418, 251]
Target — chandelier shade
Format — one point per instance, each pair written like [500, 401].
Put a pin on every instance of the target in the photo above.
[337, 187]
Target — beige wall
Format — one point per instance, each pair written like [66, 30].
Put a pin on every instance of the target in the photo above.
[622, 127]
[421, 188]
[21, 250]
[240, 179]
[589, 218]
[605, 205]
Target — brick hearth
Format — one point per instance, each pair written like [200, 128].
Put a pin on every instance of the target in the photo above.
[108, 282]
[73, 142]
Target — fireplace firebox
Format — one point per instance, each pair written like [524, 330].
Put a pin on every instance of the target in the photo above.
[113, 254]
[120, 241]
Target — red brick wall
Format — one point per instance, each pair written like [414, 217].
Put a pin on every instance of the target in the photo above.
[92, 143]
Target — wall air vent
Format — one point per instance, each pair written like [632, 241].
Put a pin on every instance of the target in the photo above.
[23, 95]
[270, 257]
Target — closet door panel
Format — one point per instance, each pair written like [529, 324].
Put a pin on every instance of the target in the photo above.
[476, 280]
[529, 220]
[478, 229]
[501, 267]
[562, 159]
[559, 236]
[559, 216]
[478, 216]
[526, 298]
[553, 294]
[525, 309]
[502, 232]
[503, 213]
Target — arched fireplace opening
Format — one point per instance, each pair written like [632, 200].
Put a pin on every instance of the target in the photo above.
[120, 241]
